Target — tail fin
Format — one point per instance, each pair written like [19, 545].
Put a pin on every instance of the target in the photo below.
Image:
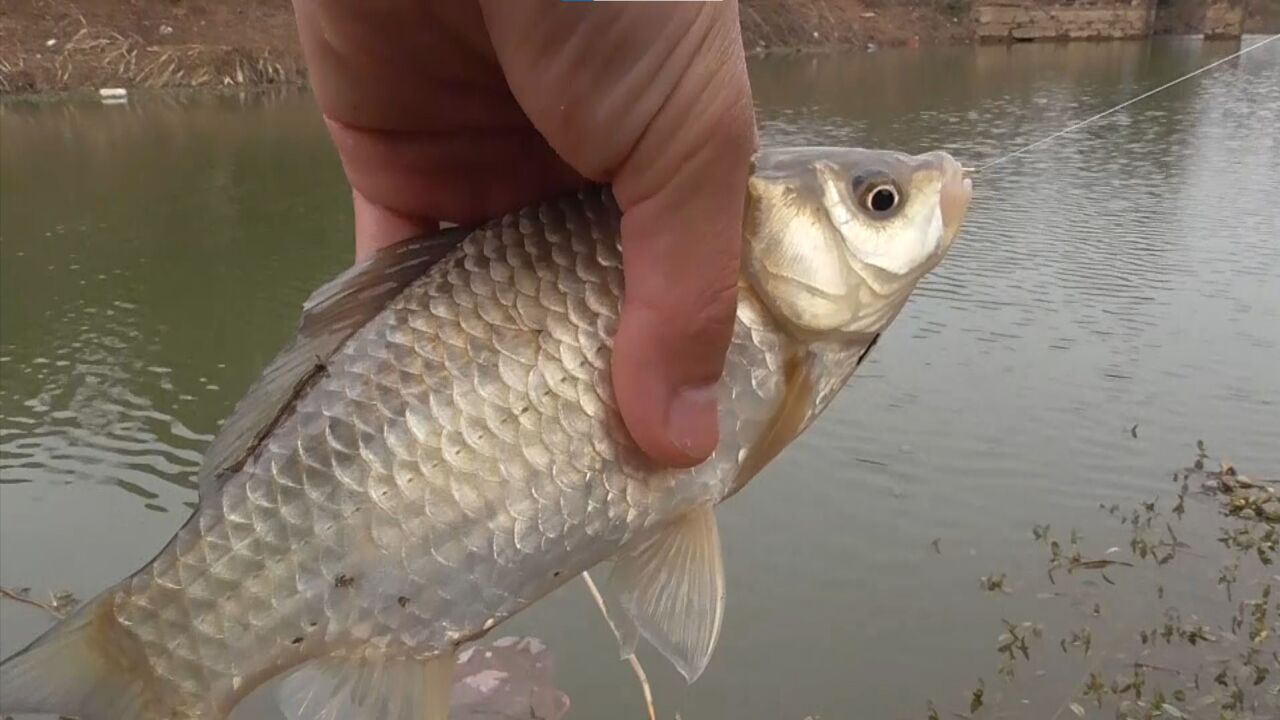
[74, 669]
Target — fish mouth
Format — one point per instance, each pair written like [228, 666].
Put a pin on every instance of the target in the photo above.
[957, 191]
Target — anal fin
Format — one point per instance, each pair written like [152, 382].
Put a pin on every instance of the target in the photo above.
[671, 586]
[368, 688]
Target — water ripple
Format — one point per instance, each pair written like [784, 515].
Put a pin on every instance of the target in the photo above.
[87, 412]
[1124, 274]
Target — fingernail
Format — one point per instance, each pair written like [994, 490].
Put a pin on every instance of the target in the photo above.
[693, 422]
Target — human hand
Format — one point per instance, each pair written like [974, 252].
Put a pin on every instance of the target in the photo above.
[460, 110]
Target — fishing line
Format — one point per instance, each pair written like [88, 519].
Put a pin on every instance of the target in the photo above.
[1127, 103]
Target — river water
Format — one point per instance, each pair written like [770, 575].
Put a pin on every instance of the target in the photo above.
[153, 257]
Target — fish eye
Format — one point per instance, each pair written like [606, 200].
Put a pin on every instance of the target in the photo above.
[878, 194]
[880, 198]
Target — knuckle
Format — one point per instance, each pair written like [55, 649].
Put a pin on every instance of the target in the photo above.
[709, 317]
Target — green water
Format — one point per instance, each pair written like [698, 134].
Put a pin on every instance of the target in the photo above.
[154, 255]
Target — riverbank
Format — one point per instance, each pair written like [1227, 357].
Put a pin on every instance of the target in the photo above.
[51, 46]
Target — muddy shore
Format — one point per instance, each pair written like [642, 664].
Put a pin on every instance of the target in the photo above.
[50, 46]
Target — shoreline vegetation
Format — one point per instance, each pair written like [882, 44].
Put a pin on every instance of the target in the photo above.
[61, 46]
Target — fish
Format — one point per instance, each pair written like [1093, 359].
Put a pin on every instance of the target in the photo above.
[439, 448]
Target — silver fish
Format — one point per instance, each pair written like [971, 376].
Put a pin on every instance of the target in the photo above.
[440, 448]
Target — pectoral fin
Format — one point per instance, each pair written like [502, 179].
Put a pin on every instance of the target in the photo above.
[366, 688]
[794, 412]
[671, 585]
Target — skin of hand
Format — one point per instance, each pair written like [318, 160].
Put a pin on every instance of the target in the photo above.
[461, 110]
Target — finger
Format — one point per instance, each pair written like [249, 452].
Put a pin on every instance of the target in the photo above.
[378, 227]
[455, 177]
[422, 118]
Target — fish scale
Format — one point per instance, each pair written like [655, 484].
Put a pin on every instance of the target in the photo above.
[379, 441]
[440, 447]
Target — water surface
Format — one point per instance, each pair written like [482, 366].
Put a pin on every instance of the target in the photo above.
[153, 256]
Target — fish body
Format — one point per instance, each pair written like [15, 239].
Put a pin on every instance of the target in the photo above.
[441, 448]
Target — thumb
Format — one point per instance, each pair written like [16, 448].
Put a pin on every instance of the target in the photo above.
[681, 247]
[656, 102]
[682, 190]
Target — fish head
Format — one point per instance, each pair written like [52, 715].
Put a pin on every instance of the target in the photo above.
[837, 238]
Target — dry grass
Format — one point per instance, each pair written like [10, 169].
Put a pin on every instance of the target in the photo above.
[52, 46]
[96, 57]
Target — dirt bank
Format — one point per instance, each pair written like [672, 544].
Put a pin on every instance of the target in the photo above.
[60, 45]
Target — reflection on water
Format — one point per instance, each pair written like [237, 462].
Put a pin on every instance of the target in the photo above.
[153, 257]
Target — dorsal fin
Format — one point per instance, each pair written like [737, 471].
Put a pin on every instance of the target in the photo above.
[331, 315]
